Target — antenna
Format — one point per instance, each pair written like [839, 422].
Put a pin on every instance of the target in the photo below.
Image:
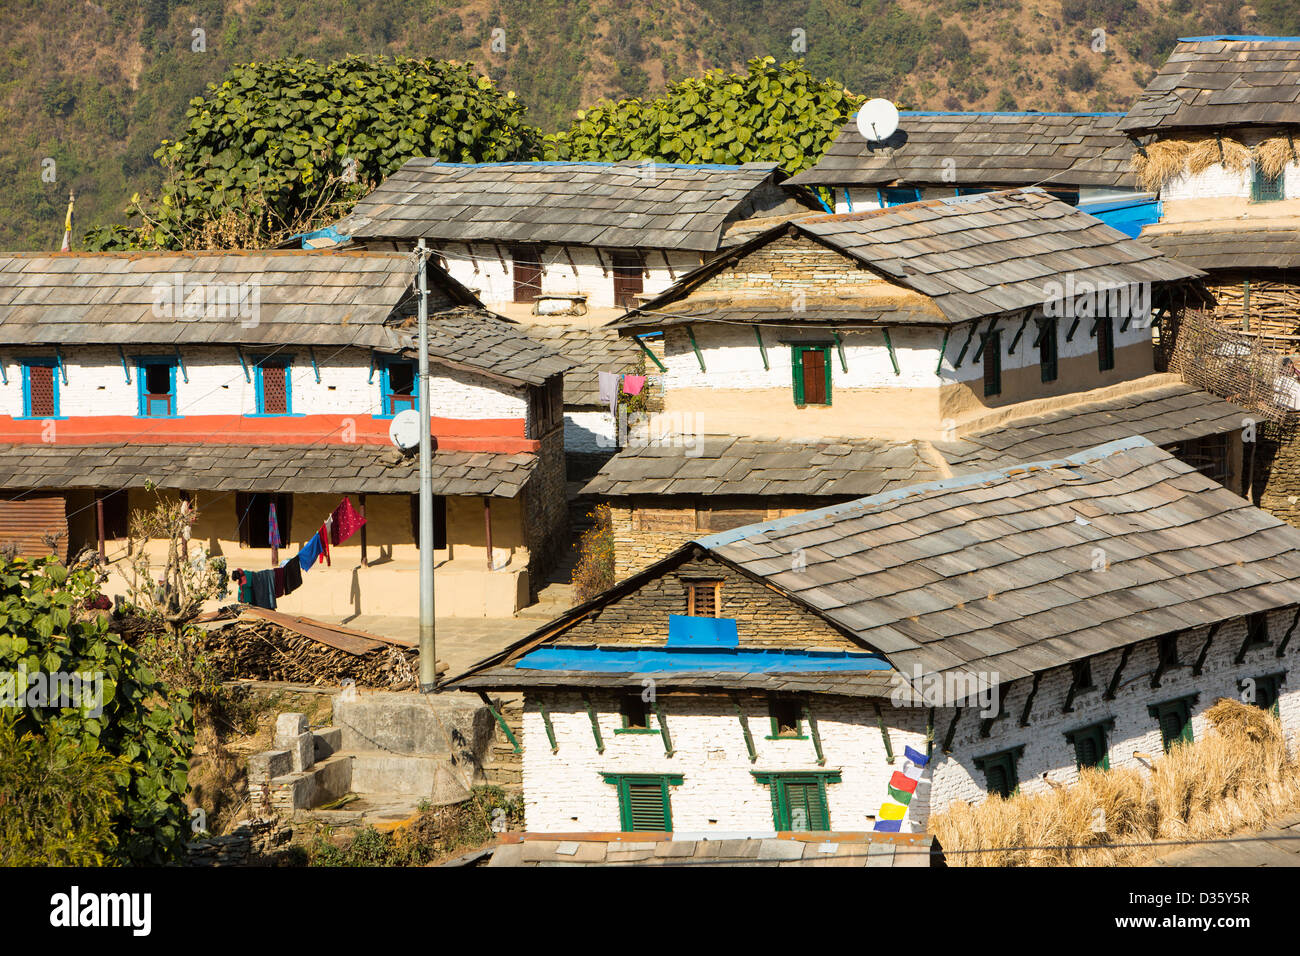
[877, 120]
[404, 431]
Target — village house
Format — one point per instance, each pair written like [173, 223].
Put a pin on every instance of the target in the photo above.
[862, 666]
[243, 381]
[1080, 158]
[566, 246]
[1214, 133]
[835, 356]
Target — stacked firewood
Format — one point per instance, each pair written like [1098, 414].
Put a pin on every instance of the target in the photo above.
[261, 650]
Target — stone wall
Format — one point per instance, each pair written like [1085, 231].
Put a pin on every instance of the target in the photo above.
[764, 617]
[546, 513]
[1276, 477]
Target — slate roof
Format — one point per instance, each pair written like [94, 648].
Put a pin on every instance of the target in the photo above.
[1245, 244]
[878, 684]
[1221, 81]
[265, 468]
[1055, 150]
[590, 351]
[1164, 415]
[479, 339]
[626, 205]
[839, 848]
[726, 465]
[992, 574]
[301, 298]
[973, 256]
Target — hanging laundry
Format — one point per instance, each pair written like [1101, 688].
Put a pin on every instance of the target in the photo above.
[292, 575]
[263, 583]
[324, 536]
[310, 553]
[273, 527]
[278, 573]
[245, 593]
[608, 384]
[344, 522]
[632, 384]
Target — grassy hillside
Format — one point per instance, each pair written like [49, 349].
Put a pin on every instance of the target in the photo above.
[94, 87]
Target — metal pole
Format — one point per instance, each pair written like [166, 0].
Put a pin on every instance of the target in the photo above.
[428, 653]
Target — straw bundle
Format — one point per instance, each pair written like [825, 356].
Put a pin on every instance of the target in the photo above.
[1238, 776]
[1274, 153]
[1164, 159]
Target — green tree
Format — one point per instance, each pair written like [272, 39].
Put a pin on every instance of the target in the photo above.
[772, 113]
[123, 712]
[291, 144]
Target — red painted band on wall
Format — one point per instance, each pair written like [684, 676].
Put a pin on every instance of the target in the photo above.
[450, 434]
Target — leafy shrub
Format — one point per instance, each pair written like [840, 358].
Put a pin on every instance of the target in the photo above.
[58, 800]
[771, 113]
[44, 629]
[594, 571]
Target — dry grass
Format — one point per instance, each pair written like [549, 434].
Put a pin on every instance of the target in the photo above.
[1164, 159]
[1274, 153]
[1238, 777]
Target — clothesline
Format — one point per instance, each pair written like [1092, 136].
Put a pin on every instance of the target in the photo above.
[261, 588]
[611, 383]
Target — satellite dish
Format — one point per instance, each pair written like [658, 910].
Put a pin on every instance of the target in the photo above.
[404, 431]
[877, 120]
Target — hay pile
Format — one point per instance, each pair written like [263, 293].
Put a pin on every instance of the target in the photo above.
[1164, 159]
[1237, 777]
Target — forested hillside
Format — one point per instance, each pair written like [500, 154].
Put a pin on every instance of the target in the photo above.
[95, 87]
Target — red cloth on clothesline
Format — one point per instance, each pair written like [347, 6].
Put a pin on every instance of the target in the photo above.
[344, 522]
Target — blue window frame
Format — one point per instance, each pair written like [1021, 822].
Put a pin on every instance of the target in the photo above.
[156, 386]
[898, 195]
[398, 387]
[273, 384]
[41, 388]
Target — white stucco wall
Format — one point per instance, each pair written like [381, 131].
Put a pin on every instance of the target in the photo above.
[491, 276]
[216, 384]
[589, 431]
[564, 791]
[732, 358]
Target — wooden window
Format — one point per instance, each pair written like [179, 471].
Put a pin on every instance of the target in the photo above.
[116, 513]
[398, 387]
[527, 262]
[703, 598]
[628, 269]
[635, 713]
[1257, 630]
[1105, 343]
[439, 521]
[1047, 365]
[253, 511]
[157, 384]
[787, 717]
[709, 517]
[1000, 771]
[1082, 671]
[1265, 188]
[273, 387]
[643, 802]
[799, 800]
[1265, 691]
[812, 374]
[40, 390]
[1090, 747]
[992, 363]
[1174, 717]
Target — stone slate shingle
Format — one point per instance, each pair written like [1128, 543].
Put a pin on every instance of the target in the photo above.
[591, 351]
[1216, 82]
[1061, 150]
[974, 257]
[1228, 245]
[327, 469]
[629, 204]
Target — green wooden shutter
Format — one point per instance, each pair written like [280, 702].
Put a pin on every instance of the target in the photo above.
[645, 805]
[796, 363]
[1264, 188]
[804, 807]
[996, 774]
